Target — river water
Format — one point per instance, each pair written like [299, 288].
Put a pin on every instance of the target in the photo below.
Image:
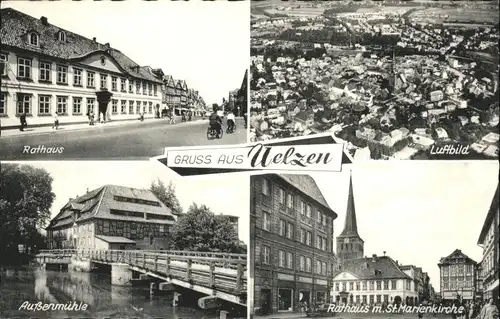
[93, 289]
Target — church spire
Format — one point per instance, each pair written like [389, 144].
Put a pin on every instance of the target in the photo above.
[351, 225]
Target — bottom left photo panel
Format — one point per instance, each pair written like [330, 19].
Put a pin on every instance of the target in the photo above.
[121, 240]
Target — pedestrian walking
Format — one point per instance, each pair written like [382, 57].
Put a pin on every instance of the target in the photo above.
[22, 119]
[56, 121]
[142, 116]
[172, 117]
[489, 311]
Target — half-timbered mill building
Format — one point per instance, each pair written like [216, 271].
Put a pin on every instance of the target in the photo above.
[291, 229]
[112, 217]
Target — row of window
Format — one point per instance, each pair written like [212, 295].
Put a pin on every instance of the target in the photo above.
[358, 299]
[457, 284]
[287, 260]
[457, 269]
[34, 38]
[25, 105]
[25, 65]
[288, 200]
[136, 200]
[366, 285]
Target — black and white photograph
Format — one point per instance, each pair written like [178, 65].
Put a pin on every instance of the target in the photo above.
[121, 80]
[376, 241]
[414, 79]
[84, 240]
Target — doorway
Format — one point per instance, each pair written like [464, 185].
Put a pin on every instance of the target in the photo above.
[285, 299]
[265, 301]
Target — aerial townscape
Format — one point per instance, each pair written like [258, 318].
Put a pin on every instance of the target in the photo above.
[391, 79]
[299, 267]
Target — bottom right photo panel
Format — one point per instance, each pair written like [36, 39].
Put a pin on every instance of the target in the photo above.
[377, 240]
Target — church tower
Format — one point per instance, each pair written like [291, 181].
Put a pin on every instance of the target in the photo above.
[349, 243]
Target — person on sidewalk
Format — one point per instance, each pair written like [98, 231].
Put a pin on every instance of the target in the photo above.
[489, 311]
[56, 121]
[24, 124]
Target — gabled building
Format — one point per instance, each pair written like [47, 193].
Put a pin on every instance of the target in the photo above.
[112, 217]
[458, 276]
[46, 69]
[488, 240]
[291, 233]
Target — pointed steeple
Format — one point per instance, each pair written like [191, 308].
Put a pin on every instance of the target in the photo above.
[351, 225]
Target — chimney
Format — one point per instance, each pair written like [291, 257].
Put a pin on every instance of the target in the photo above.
[374, 258]
[94, 39]
[87, 190]
[384, 252]
[44, 20]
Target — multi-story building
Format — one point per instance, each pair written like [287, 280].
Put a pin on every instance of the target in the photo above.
[363, 280]
[458, 276]
[112, 217]
[292, 242]
[47, 69]
[488, 240]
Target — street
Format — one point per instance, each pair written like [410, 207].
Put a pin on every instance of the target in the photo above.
[133, 141]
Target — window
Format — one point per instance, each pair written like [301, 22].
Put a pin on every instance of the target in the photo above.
[337, 286]
[351, 286]
[344, 286]
[62, 105]
[379, 298]
[266, 221]
[320, 217]
[155, 88]
[33, 39]
[289, 260]
[150, 109]
[23, 103]
[364, 285]
[104, 81]
[3, 103]
[302, 207]
[282, 196]
[123, 85]
[358, 285]
[364, 299]
[144, 105]
[150, 89]
[372, 285]
[309, 238]
[393, 284]
[131, 86]
[3, 64]
[266, 254]
[77, 105]
[318, 242]
[144, 88]
[113, 83]
[90, 104]
[371, 299]
[114, 106]
[282, 227]
[324, 269]
[308, 212]
[282, 258]
[379, 285]
[138, 107]
[290, 228]
[308, 264]
[138, 87]
[302, 263]
[130, 107]
[303, 235]
[62, 74]
[90, 79]
[265, 187]
[24, 68]
[44, 104]
[62, 36]
[386, 285]
[77, 77]
[318, 266]
[290, 201]
[323, 244]
[45, 71]
[123, 107]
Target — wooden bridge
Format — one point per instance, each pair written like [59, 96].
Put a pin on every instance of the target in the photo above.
[218, 275]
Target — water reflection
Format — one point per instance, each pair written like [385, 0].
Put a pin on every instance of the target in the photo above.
[93, 289]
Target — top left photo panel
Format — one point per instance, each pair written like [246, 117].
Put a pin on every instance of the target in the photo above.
[121, 80]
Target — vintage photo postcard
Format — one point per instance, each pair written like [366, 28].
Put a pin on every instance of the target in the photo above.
[378, 240]
[121, 80]
[84, 240]
[410, 79]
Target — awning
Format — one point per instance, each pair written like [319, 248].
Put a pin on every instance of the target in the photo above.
[115, 239]
[492, 286]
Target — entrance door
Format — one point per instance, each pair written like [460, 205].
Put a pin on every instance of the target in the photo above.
[103, 108]
[285, 299]
[265, 301]
[305, 298]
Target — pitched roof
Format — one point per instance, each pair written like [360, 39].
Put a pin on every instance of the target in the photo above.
[376, 267]
[307, 185]
[15, 25]
[100, 203]
[351, 224]
[303, 115]
[456, 254]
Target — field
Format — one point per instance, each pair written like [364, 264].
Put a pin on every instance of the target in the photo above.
[386, 9]
[440, 15]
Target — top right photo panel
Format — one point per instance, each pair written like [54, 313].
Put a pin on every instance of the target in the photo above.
[389, 79]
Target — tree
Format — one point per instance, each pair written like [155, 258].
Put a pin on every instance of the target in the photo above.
[201, 230]
[166, 194]
[25, 202]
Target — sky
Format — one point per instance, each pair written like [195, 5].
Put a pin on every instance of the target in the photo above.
[221, 193]
[416, 211]
[205, 43]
